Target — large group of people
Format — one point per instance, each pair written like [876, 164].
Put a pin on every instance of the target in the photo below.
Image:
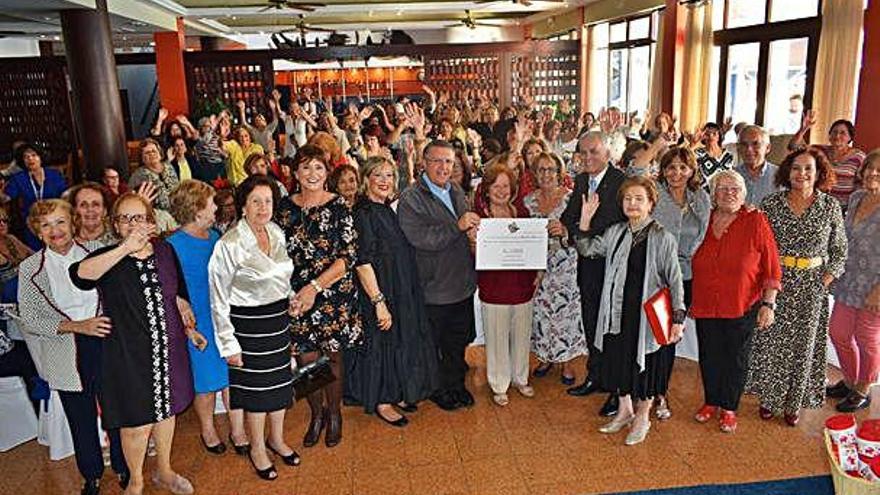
[342, 235]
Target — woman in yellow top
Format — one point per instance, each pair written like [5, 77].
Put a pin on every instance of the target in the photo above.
[238, 149]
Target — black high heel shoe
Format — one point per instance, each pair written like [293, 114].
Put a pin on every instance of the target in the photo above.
[313, 434]
[291, 459]
[218, 449]
[407, 407]
[268, 474]
[399, 422]
[239, 449]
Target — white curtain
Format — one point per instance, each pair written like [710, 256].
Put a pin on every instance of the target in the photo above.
[834, 93]
[696, 58]
[655, 98]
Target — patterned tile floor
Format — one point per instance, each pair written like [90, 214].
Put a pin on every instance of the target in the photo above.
[545, 445]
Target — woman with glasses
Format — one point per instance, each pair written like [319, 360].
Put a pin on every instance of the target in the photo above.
[146, 379]
[557, 334]
[736, 276]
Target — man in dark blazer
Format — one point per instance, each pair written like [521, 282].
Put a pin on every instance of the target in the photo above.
[597, 176]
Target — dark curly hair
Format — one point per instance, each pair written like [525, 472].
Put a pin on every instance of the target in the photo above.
[825, 177]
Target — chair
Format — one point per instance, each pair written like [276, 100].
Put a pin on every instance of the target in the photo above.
[18, 423]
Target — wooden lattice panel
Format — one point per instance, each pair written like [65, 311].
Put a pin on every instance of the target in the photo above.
[229, 78]
[547, 78]
[35, 107]
[457, 75]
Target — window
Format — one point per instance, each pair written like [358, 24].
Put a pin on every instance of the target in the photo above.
[622, 69]
[764, 68]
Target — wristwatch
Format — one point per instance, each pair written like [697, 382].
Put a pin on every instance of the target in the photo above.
[316, 285]
[380, 298]
[768, 304]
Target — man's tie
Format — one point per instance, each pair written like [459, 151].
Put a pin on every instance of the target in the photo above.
[594, 184]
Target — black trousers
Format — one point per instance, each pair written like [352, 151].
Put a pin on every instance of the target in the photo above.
[81, 409]
[591, 277]
[725, 344]
[452, 326]
[82, 417]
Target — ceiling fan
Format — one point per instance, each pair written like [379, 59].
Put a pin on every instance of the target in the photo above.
[470, 22]
[524, 3]
[289, 4]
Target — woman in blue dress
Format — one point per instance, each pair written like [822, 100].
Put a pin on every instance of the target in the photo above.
[192, 205]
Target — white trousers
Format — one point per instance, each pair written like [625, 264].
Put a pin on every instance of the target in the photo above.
[508, 330]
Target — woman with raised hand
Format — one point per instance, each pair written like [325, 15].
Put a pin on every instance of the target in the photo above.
[146, 379]
[641, 258]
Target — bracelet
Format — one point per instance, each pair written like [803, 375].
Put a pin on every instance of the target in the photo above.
[768, 304]
[379, 298]
[316, 285]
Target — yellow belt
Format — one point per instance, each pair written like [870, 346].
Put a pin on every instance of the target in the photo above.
[800, 263]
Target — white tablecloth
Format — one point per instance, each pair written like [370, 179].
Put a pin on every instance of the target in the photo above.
[18, 423]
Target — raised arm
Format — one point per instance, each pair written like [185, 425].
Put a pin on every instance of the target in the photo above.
[799, 141]
[93, 268]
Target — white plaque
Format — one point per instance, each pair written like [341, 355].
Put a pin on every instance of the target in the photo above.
[512, 244]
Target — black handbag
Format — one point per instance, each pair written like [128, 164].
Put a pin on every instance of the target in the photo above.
[312, 377]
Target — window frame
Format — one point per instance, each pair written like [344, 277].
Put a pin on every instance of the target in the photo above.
[764, 34]
[628, 45]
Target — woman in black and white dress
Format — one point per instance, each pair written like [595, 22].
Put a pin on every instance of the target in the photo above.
[249, 275]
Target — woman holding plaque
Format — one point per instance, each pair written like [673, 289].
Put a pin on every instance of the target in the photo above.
[641, 258]
[505, 298]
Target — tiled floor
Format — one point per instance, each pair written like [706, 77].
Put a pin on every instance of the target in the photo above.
[546, 445]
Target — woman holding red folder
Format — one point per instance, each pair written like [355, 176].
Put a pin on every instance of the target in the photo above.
[641, 258]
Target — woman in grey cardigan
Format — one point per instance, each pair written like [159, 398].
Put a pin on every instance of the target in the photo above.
[641, 258]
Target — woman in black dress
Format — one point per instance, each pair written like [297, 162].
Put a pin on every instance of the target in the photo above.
[397, 364]
[641, 258]
[146, 378]
[322, 242]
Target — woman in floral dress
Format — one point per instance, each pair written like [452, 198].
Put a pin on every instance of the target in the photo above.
[322, 242]
[787, 365]
[557, 336]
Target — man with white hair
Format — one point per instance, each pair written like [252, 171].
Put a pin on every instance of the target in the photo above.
[752, 145]
[597, 176]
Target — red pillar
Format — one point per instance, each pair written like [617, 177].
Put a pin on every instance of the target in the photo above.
[673, 39]
[868, 135]
[169, 70]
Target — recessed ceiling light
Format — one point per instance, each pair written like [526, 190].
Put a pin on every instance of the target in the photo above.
[399, 12]
[47, 18]
[370, 13]
[152, 43]
[234, 18]
[42, 36]
[56, 38]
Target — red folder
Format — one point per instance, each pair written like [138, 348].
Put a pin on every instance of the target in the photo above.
[658, 310]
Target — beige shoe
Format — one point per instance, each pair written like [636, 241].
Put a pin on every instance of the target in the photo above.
[525, 390]
[616, 425]
[501, 399]
[178, 486]
[637, 434]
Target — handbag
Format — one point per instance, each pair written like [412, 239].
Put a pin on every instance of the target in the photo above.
[312, 377]
[658, 311]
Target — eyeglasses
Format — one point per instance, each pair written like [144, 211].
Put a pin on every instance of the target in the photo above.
[129, 219]
[728, 189]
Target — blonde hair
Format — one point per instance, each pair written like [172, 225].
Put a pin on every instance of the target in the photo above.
[189, 198]
[45, 207]
[373, 163]
[726, 174]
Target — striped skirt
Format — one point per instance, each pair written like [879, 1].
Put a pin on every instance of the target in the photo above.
[264, 382]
